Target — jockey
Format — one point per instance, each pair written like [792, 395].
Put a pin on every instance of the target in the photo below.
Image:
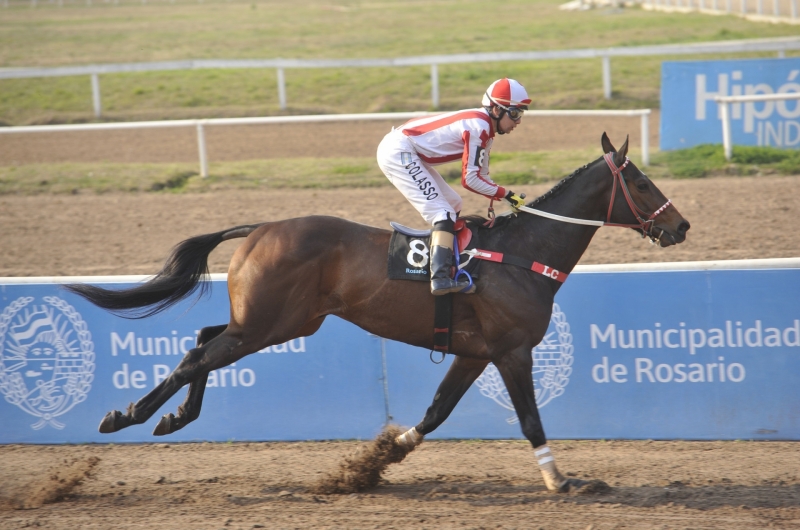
[408, 153]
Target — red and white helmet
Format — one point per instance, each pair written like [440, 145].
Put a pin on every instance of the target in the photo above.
[506, 93]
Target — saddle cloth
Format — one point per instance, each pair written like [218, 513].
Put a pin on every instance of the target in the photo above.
[410, 251]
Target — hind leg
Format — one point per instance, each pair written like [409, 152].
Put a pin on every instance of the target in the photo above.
[190, 409]
[462, 373]
[222, 350]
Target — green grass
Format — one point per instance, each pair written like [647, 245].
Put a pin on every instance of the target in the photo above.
[507, 168]
[104, 33]
[324, 173]
[709, 160]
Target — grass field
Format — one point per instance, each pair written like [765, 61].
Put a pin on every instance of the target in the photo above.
[133, 32]
[507, 169]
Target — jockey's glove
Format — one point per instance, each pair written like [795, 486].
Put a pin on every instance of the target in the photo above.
[515, 200]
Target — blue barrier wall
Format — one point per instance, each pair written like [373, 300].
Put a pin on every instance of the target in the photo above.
[689, 114]
[704, 354]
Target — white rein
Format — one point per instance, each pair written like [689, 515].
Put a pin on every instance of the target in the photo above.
[562, 218]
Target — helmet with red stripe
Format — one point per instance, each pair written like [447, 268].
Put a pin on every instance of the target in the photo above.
[506, 93]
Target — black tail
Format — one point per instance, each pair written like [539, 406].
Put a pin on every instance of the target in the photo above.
[183, 273]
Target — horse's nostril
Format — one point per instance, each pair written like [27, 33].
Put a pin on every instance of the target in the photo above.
[683, 227]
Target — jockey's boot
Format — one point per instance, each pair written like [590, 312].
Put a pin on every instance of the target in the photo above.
[443, 262]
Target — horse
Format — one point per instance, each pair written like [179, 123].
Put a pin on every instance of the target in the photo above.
[288, 276]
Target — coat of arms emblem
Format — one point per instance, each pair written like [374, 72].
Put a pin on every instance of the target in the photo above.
[46, 358]
[552, 366]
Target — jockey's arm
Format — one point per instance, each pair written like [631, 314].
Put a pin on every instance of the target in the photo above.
[475, 167]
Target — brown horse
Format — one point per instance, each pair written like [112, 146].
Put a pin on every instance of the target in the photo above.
[289, 275]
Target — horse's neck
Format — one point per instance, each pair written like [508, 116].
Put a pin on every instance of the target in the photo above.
[560, 244]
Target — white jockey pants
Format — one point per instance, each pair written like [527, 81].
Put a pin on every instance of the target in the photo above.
[422, 185]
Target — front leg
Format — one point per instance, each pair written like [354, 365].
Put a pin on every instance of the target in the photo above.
[462, 373]
[516, 368]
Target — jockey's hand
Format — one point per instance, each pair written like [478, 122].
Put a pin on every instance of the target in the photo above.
[515, 200]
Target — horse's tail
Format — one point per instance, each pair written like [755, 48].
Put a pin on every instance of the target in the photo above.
[184, 272]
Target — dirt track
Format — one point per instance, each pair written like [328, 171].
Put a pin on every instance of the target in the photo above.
[732, 218]
[724, 485]
[730, 485]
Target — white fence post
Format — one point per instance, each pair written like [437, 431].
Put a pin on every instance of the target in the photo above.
[760, 7]
[744, 7]
[607, 76]
[726, 129]
[794, 8]
[96, 96]
[723, 103]
[646, 139]
[435, 85]
[775, 9]
[201, 148]
[281, 89]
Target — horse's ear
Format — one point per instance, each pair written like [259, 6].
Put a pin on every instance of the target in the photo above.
[606, 143]
[619, 158]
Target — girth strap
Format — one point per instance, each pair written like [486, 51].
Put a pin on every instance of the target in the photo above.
[535, 266]
[443, 313]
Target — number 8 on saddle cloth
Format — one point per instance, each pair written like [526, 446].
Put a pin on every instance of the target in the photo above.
[409, 253]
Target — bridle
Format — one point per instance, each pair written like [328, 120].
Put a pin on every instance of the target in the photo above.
[645, 225]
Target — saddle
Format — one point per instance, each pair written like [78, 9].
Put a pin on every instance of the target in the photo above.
[409, 251]
[409, 258]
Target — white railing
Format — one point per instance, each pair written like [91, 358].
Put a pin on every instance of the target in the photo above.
[783, 11]
[733, 264]
[723, 102]
[200, 125]
[780, 45]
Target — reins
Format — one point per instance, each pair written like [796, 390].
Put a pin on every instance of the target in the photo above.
[646, 225]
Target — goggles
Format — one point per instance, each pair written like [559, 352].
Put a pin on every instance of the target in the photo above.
[515, 113]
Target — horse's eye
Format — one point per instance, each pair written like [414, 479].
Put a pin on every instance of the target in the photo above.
[642, 185]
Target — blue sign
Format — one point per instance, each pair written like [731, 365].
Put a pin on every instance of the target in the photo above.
[690, 116]
[64, 363]
[706, 354]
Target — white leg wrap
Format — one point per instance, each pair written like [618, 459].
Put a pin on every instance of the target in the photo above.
[410, 438]
[547, 464]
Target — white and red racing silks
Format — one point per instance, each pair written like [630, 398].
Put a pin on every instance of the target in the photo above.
[465, 134]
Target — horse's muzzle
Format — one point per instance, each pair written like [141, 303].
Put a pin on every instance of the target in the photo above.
[666, 236]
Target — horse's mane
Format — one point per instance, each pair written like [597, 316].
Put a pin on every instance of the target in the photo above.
[560, 186]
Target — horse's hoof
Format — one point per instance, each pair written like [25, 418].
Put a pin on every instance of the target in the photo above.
[584, 487]
[165, 425]
[109, 423]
